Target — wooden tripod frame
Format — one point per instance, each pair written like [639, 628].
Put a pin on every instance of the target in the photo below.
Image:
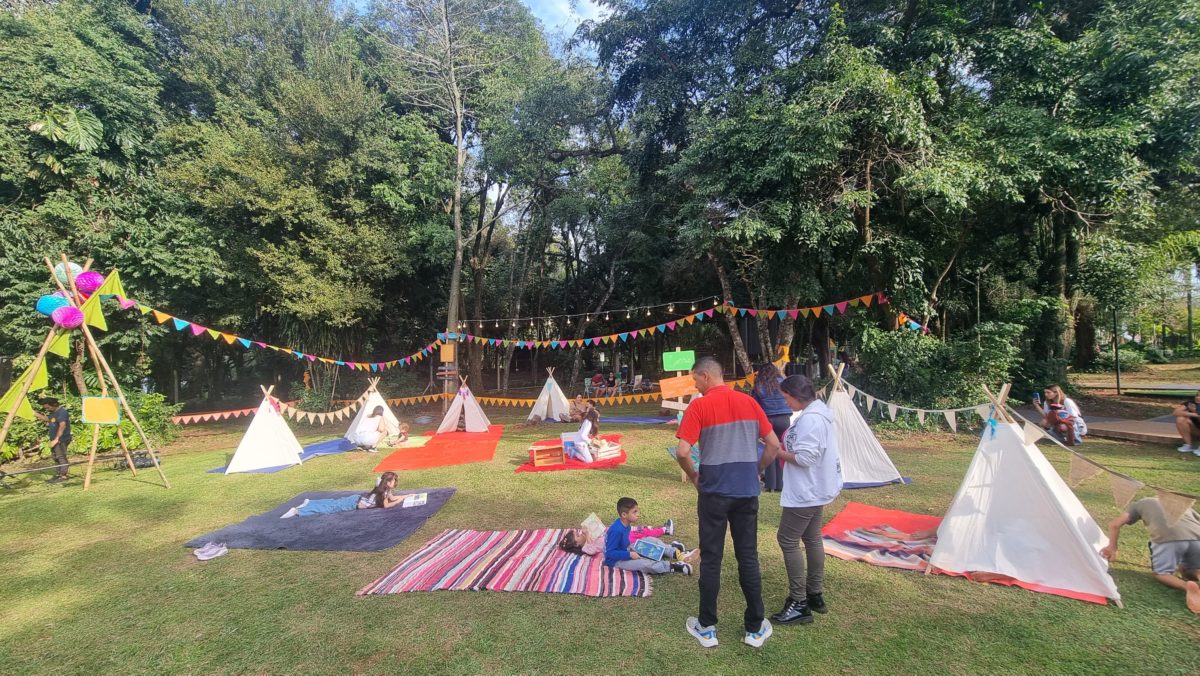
[104, 373]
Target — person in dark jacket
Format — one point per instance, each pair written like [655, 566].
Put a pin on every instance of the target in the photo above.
[769, 398]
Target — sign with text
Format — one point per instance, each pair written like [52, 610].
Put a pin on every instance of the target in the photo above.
[679, 360]
[447, 352]
[679, 386]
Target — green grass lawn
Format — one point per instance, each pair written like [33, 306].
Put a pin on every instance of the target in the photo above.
[100, 581]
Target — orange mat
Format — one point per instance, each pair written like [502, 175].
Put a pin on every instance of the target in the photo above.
[451, 448]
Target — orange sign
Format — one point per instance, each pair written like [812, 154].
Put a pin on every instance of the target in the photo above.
[679, 386]
[447, 352]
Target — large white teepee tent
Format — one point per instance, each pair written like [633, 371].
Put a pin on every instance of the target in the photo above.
[465, 407]
[551, 404]
[1015, 516]
[268, 442]
[373, 399]
[864, 462]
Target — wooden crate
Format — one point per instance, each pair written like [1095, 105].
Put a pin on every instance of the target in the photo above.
[548, 456]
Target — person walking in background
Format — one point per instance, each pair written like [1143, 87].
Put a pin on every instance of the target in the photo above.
[766, 393]
[726, 425]
[60, 435]
[812, 478]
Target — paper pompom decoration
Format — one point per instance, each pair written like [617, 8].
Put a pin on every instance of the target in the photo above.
[88, 282]
[49, 303]
[68, 317]
[61, 272]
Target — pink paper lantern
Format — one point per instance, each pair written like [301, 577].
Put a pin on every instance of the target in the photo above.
[68, 317]
[88, 282]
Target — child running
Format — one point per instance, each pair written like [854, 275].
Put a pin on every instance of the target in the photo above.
[619, 552]
[380, 497]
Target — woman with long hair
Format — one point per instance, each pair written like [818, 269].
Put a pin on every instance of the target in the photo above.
[766, 392]
[1062, 417]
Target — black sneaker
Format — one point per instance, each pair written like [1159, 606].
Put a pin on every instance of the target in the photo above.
[816, 603]
[794, 612]
[56, 480]
[685, 568]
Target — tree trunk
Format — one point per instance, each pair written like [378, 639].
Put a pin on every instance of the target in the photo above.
[577, 362]
[739, 347]
[77, 368]
[1085, 333]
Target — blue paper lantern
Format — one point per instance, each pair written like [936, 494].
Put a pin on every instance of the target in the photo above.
[50, 302]
[61, 272]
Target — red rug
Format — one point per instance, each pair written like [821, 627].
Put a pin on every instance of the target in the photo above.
[451, 448]
[573, 463]
[856, 515]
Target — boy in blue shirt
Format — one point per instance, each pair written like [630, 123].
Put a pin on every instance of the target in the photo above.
[619, 554]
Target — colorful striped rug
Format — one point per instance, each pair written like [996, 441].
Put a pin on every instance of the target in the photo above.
[506, 560]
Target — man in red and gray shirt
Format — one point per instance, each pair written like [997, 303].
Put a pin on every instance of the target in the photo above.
[727, 425]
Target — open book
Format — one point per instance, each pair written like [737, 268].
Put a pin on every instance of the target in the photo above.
[593, 526]
[415, 500]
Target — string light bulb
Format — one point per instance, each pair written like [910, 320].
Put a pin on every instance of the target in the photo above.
[606, 316]
[693, 307]
[627, 315]
[715, 302]
[497, 323]
[568, 321]
[671, 307]
[647, 312]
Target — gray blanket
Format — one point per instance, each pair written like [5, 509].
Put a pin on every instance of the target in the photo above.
[362, 530]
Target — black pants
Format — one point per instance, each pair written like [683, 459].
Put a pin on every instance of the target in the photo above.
[59, 453]
[714, 512]
[773, 474]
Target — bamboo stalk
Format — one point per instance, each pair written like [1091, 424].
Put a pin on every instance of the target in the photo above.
[87, 476]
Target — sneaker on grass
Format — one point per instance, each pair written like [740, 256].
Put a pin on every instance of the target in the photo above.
[669, 527]
[756, 639]
[707, 636]
[1186, 448]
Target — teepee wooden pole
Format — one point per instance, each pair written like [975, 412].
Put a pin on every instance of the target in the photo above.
[107, 371]
[41, 356]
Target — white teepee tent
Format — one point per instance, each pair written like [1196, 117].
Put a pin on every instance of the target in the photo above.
[373, 399]
[1015, 516]
[268, 442]
[464, 406]
[551, 404]
[864, 462]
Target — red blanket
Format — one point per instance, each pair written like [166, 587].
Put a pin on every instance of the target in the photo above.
[451, 448]
[572, 463]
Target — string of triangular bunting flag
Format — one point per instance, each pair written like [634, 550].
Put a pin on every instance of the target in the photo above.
[1124, 487]
[950, 415]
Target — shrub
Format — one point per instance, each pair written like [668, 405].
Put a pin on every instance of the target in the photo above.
[1131, 360]
[914, 369]
[152, 410]
[1157, 355]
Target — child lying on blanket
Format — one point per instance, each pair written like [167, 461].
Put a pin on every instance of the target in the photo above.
[380, 497]
[589, 540]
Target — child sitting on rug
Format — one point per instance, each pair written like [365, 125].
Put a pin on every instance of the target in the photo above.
[619, 551]
[580, 541]
[404, 428]
[380, 497]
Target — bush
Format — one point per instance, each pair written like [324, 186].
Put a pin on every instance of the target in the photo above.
[1156, 355]
[1131, 360]
[152, 410]
[914, 369]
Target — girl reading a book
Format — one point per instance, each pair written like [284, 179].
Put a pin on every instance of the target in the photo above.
[380, 497]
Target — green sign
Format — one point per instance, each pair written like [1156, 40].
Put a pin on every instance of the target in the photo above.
[679, 360]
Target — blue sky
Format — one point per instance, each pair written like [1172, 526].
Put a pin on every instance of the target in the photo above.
[562, 16]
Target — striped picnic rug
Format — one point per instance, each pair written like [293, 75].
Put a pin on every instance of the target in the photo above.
[506, 560]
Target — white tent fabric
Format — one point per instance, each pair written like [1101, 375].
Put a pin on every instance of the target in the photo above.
[1014, 515]
[392, 423]
[551, 403]
[864, 462]
[464, 406]
[268, 442]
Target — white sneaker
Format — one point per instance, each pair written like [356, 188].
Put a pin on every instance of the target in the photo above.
[1186, 448]
[1196, 451]
[707, 636]
[758, 638]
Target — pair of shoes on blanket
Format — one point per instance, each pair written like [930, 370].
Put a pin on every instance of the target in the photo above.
[294, 511]
[211, 551]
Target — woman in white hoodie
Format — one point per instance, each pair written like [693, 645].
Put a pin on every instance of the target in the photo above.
[812, 478]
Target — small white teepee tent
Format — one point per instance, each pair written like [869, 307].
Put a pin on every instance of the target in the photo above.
[373, 399]
[864, 462]
[268, 442]
[464, 406]
[1015, 516]
[551, 404]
